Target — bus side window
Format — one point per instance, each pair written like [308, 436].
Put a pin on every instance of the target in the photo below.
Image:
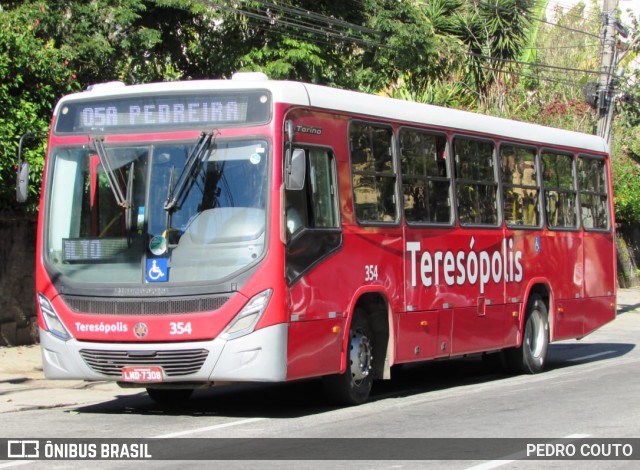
[559, 190]
[521, 188]
[314, 206]
[296, 212]
[476, 183]
[373, 172]
[594, 198]
[426, 183]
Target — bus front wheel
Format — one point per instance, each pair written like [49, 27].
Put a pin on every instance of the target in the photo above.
[530, 357]
[353, 386]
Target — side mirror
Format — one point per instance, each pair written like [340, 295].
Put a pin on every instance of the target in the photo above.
[296, 170]
[22, 182]
[22, 176]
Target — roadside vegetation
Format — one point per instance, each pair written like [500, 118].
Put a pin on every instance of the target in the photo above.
[510, 58]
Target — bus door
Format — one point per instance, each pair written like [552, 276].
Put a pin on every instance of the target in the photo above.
[521, 203]
[599, 242]
[424, 325]
[561, 246]
[316, 283]
[479, 322]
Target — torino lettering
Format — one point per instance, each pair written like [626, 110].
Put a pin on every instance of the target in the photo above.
[461, 267]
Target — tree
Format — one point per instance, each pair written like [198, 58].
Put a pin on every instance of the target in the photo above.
[35, 74]
[484, 55]
[626, 139]
[314, 41]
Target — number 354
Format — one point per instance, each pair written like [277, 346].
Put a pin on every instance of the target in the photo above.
[371, 272]
[180, 328]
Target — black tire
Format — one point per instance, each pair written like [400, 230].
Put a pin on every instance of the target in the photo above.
[354, 385]
[170, 396]
[531, 356]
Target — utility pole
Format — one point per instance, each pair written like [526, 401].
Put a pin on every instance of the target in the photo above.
[608, 62]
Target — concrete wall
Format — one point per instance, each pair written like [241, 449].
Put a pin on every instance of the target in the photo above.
[18, 321]
[628, 255]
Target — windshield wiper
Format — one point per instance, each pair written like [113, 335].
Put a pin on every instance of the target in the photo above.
[129, 202]
[122, 200]
[188, 176]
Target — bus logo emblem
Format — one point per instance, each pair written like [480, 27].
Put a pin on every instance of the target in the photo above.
[140, 330]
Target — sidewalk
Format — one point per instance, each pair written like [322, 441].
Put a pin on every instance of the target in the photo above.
[629, 300]
[23, 386]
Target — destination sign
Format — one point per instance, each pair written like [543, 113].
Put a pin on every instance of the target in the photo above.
[82, 250]
[163, 112]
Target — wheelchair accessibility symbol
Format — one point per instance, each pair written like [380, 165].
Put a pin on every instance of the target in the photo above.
[157, 270]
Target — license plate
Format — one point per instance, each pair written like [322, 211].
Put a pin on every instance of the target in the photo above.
[142, 374]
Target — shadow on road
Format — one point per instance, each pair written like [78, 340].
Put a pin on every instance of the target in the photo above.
[624, 308]
[303, 398]
[570, 354]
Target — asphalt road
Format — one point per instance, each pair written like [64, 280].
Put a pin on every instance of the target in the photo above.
[590, 390]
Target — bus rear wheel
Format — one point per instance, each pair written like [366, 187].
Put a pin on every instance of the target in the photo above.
[353, 386]
[170, 396]
[530, 357]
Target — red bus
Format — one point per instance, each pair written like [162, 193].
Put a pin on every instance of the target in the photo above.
[250, 230]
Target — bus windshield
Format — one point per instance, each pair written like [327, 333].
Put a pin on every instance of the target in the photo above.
[170, 212]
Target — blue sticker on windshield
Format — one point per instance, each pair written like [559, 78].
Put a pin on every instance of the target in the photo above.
[157, 270]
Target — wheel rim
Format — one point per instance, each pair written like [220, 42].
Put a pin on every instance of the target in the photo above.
[536, 337]
[360, 356]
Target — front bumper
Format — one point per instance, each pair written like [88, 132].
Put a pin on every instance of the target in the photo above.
[260, 356]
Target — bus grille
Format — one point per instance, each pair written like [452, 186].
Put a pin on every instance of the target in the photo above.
[174, 363]
[144, 306]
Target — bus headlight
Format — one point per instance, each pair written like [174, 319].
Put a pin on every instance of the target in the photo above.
[51, 320]
[245, 321]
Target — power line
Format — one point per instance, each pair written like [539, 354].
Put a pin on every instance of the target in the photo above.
[557, 48]
[323, 18]
[586, 33]
[288, 21]
[535, 77]
[535, 65]
[294, 24]
[533, 18]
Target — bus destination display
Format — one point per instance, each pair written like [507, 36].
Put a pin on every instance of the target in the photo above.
[135, 114]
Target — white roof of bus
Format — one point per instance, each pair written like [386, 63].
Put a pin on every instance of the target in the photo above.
[362, 104]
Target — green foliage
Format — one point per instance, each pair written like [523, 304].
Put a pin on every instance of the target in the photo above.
[292, 60]
[289, 46]
[449, 93]
[626, 136]
[35, 74]
[456, 53]
[626, 181]
[495, 32]
[626, 160]
[449, 62]
[549, 91]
